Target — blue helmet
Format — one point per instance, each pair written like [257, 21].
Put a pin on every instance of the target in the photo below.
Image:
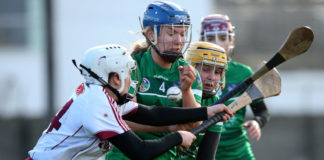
[165, 12]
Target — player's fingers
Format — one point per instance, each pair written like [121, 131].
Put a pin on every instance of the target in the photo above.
[247, 124]
[226, 117]
[186, 83]
[188, 80]
[182, 78]
[227, 110]
[188, 70]
[192, 74]
[191, 68]
[189, 76]
[255, 136]
[180, 69]
[251, 129]
[258, 137]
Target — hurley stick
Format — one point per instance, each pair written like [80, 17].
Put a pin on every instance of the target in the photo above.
[298, 42]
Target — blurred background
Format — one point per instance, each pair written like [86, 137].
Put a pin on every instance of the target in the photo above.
[39, 38]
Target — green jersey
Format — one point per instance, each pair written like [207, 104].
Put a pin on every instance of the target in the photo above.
[234, 141]
[154, 81]
[191, 153]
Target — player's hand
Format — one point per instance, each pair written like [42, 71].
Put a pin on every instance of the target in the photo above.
[212, 110]
[187, 139]
[187, 77]
[253, 128]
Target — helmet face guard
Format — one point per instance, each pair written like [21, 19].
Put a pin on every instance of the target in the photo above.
[218, 29]
[210, 60]
[173, 42]
[216, 37]
[171, 27]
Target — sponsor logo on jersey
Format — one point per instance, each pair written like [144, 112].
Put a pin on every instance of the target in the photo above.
[160, 77]
[145, 85]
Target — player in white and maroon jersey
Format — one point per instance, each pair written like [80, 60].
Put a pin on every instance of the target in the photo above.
[93, 118]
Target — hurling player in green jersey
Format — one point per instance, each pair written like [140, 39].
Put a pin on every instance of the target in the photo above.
[234, 143]
[210, 60]
[167, 32]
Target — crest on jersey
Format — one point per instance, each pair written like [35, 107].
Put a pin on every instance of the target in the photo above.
[105, 146]
[198, 80]
[145, 85]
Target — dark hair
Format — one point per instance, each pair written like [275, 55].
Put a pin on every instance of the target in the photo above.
[110, 75]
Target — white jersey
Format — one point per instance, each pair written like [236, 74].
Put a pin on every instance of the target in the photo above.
[80, 129]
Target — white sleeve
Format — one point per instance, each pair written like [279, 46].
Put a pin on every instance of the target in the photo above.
[102, 117]
[128, 108]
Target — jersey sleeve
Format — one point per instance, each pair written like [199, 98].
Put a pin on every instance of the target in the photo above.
[196, 87]
[129, 108]
[102, 117]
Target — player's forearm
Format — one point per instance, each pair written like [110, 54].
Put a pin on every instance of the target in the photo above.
[208, 146]
[261, 113]
[188, 99]
[159, 116]
[131, 145]
[136, 127]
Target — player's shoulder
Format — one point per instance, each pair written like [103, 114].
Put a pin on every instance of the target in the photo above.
[236, 72]
[242, 68]
[239, 65]
[93, 93]
[138, 56]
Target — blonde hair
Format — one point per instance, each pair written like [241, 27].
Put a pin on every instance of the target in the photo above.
[141, 45]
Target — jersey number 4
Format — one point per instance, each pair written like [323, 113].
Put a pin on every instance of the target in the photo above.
[162, 87]
[55, 121]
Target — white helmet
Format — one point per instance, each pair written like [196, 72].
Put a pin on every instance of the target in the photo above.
[106, 59]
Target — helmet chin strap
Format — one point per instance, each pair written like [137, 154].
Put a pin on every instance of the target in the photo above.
[121, 99]
[208, 94]
[167, 56]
